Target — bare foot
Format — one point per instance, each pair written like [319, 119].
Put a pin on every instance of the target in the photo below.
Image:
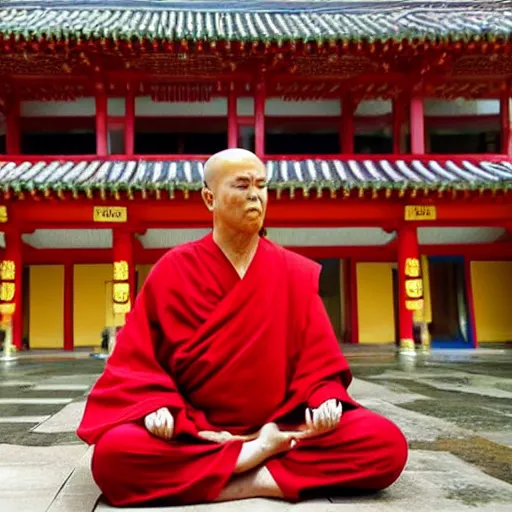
[270, 442]
[274, 441]
[257, 483]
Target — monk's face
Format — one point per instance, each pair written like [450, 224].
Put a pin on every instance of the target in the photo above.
[238, 193]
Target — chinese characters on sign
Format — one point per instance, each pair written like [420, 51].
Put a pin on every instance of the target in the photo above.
[110, 214]
[413, 285]
[7, 288]
[7, 270]
[3, 214]
[121, 288]
[412, 267]
[120, 271]
[420, 212]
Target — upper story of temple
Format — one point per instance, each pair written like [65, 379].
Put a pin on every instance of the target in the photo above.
[368, 97]
[281, 78]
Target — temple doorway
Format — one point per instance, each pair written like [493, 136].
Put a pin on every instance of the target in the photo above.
[450, 326]
[331, 291]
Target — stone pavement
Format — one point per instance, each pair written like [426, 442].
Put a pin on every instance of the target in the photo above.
[455, 411]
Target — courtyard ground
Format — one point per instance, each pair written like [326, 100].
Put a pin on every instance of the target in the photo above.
[455, 407]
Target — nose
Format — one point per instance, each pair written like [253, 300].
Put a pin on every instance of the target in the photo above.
[252, 195]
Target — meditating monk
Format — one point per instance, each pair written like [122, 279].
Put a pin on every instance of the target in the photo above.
[227, 380]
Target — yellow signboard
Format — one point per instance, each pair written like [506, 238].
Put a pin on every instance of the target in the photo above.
[110, 214]
[3, 214]
[420, 212]
[414, 305]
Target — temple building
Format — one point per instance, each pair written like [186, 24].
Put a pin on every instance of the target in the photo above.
[385, 128]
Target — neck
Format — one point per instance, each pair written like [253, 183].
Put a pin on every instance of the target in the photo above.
[238, 247]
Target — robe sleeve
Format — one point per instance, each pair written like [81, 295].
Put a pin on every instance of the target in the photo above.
[321, 372]
[134, 382]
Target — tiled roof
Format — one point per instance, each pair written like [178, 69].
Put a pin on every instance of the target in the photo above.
[376, 173]
[257, 20]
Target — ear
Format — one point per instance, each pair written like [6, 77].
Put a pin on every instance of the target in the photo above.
[207, 196]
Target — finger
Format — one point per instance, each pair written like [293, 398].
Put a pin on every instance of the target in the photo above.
[322, 418]
[339, 412]
[332, 408]
[169, 426]
[316, 419]
[149, 422]
[309, 419]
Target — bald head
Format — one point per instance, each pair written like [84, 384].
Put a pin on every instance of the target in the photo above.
[235, 190]
[228, 162]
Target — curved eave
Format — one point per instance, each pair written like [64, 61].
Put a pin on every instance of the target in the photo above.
[376, 177]
[432, 23]
[287, 191]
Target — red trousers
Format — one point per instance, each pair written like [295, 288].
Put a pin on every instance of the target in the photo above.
[365, 452]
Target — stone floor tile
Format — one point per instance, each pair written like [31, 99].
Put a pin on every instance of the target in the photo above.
[362, 389]
[415, 426]
[22, 501]
[504, 438]
[11, 455]
[60, 387]
[66, 420]
[23, 419]
[74, 503]
[35, 401]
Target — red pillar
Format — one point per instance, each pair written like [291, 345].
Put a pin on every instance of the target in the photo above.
[348, 109]
[506, 133]
[13, 131]
[399, 116]
[410, 285]
[124, 269]
[417, 126]
[259, 116]
[232, 118]
[101, 120]
[129, 121]
[11, 291]
[68, 306]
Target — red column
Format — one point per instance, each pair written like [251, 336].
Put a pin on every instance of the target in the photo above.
[506, 134]
[129, 121]
[417, 126]
[410, 285]
[11, 291]
[259, 116]
[399, 116]
[101, 120]
[232, 118]
[68, 306]
[13, 131]
[348, 109]
[123, 271]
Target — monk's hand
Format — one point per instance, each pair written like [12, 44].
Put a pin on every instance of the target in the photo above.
[160, 423]
[323, 419]
[215, 437]
[224, 436]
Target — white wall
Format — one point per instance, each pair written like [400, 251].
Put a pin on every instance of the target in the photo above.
[144, 106]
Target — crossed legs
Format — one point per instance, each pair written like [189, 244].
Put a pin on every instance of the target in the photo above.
[366, 452]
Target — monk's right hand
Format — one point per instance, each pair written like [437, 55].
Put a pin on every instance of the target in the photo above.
[160, 423]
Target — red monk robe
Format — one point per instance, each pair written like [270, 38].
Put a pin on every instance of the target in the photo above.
[224, 353]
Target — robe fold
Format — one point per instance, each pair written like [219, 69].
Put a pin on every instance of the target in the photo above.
[222, 353]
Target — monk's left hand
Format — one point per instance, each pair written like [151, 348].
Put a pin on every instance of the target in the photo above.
[323, 419]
